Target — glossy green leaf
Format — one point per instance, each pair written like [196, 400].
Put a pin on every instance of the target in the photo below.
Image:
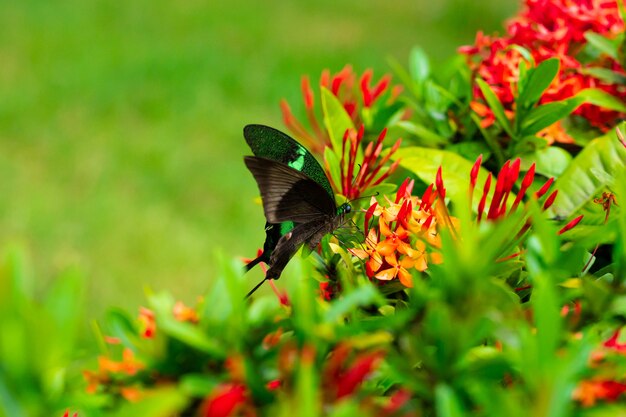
[424, 162]
[593, 169]
[605, 74]
[537, 81]
[545, 115]
[549, 162]
[336, 118]
[419, 66]
[602, 44]
[600, 98]
[332, 160]
[424, 135]
[447, 403]
[364, 295]
[495, 106]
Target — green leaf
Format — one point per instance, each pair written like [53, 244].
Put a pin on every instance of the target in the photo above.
[424, 135]
[550, 162]
[336, 119]
[545, 115]
[120, 325]
[188, 333]
[605, 74]
[419, 67]
[447, 403]
[496, 106]
[590, 172]
[161, 402]
[424, 162]
[537, 81]
[333, 161]
[362, 296]
[602, 44]
[600, 98]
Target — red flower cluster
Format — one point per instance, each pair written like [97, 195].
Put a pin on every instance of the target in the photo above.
[341, 376]
[504, 188]
[371, 171]
[354, 92]
[549, 29]
[608, 385]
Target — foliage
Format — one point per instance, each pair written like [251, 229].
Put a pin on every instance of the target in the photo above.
[491, 280]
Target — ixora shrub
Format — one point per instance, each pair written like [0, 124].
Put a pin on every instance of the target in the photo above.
[490, 277]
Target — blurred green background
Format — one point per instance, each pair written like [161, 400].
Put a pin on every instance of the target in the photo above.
[120, 121]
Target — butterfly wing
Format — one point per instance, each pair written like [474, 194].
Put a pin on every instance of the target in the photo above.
[288, 194]
[267, 142]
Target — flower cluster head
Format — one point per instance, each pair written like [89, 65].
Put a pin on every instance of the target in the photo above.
[357, 94]
[405, 236]
[402, 235]
[505, 187]
[357, 177]
[608, 383]
[550, 29]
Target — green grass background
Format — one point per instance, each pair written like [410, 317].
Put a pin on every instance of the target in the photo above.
[120, 121]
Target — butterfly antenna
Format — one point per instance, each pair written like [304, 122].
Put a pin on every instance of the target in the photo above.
[365, 196]
[252, 291]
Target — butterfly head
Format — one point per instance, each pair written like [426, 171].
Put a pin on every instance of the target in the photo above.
[345, 208]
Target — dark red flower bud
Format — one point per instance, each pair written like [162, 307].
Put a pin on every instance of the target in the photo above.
[571, 224]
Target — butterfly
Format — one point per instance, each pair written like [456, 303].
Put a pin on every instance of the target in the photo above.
[298, 200]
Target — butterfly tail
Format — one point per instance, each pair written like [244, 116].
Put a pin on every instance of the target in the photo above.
[255, 262]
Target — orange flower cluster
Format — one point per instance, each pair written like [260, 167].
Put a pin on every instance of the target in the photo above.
[107, 367]
[550, 29]
[354, 92]
[406, 228]
[180, 311]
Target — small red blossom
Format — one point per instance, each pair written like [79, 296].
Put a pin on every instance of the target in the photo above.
[273, 385]
[589, 392]
[67, 414]
[396, 401]
[615, 346]
[184, 313]
[342, 375]
[147, 322]
[571, 224]
[225, 400]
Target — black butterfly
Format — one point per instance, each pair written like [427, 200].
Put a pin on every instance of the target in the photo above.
[298, 201]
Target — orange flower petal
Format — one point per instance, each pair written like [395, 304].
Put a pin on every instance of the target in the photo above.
[387, 274]
[405, 278]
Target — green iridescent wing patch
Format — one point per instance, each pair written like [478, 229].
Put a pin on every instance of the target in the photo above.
[267, 142]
